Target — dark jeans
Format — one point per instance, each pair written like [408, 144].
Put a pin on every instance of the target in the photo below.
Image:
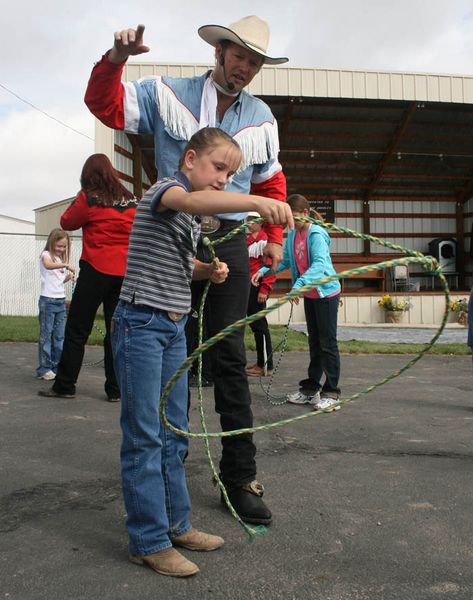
[260, 330]
[321, 317]
[91, 290]
[192, 338]
[226, 303]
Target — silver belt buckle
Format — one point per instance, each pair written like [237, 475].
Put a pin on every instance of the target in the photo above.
[209, 224]
[174, 316]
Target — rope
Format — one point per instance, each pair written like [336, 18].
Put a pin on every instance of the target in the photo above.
[276, 400]
[413, 257]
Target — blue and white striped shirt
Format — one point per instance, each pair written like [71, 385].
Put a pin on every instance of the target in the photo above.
[160, 254]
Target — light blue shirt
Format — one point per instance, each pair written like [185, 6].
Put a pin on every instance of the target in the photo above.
[169, 109]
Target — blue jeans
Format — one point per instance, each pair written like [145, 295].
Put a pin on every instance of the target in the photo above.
[321, 316]
[148, 348]
[52, 317]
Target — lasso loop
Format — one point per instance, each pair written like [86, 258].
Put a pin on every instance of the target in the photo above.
[413, 257]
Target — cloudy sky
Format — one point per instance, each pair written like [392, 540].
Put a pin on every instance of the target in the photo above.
[48, 49]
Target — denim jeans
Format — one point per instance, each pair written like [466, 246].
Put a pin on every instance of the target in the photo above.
[92, 289]
[52, 317]
[226, 303]
[321, 316]
[260, 329]
[148, 347]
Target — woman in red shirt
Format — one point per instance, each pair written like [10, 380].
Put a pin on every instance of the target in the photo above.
[104, 209]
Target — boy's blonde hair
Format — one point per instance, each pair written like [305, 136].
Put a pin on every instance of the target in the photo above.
[206, 139]
[53, 238]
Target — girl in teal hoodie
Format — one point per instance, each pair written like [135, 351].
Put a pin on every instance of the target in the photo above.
[307, 254]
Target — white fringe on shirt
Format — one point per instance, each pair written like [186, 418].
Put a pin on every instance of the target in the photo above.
[175, 115]
[258, 143]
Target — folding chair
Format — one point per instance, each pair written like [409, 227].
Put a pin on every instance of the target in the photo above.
[400, 279]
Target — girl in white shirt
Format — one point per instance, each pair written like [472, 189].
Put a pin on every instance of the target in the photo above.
[55, 271]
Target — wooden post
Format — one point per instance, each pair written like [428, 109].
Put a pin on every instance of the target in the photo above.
[460, 235]
[366, 226]
[137, 172]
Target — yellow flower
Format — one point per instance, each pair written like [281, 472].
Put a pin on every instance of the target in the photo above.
[459, 305]
[388, 303]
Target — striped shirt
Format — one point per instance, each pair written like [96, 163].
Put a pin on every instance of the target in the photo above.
[162, 245]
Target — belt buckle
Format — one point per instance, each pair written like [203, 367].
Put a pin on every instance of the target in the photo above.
[209, 224]
[174, 316]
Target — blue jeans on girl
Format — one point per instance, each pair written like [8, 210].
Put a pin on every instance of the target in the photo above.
[148, 347]
[52, 318]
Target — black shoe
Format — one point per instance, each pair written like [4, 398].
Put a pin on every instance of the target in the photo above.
[51, 393]
[113, 398]
[248, 503]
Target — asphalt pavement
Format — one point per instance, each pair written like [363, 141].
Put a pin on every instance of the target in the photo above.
[371, 502]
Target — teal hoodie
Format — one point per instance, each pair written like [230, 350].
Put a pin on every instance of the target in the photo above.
[318, 245]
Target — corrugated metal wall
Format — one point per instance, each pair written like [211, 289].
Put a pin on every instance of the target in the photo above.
[332, 83]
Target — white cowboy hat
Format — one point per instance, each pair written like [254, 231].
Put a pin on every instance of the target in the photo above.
[250, 32]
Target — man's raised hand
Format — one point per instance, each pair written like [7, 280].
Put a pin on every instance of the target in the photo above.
[128, 42]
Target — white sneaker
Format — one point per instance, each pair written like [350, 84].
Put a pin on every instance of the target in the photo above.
[48, 376]
[301, 398]
[327, 404]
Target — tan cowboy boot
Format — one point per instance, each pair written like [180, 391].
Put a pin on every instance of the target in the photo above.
[167, 562]
[197, 540]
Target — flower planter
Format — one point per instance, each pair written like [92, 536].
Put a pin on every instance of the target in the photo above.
[462, 318]
[393, 316]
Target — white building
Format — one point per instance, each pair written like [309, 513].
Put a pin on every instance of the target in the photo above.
[14, 225]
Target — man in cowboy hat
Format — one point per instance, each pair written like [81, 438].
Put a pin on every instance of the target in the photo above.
[172, 109]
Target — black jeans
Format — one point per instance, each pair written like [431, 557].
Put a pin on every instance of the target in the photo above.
[226, 303]
[192, 339]
[260, 330]
[321, 317]
[91, 290]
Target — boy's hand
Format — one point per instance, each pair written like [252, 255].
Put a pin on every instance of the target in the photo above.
[128, 42]
[262, 297]
[275, 212]
[219, 272]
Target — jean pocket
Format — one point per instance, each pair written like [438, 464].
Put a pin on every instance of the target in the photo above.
[138, 318]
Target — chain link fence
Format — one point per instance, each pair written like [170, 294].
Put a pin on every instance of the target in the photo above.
[19, 271]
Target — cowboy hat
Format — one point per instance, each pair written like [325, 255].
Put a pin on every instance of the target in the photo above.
[249, 32]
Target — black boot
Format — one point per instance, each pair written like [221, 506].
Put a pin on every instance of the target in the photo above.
[248, 502]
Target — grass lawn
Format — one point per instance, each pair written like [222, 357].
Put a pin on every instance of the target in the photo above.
[26, 329]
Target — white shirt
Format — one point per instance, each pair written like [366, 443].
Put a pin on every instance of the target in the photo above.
[52, 280]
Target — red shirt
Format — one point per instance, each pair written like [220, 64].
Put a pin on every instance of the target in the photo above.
[105, 232]
[265, 284]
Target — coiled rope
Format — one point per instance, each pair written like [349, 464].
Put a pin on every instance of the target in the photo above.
[412, 257]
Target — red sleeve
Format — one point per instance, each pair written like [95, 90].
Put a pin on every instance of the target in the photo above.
[77, 214]
[274, 187]
[104, 94]
[266, 285]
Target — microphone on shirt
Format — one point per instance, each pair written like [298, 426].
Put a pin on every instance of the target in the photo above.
[230, 85]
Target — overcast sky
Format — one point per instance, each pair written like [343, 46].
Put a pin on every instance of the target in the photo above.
[48, 49]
